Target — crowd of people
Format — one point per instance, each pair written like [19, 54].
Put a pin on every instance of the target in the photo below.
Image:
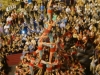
[50, 36]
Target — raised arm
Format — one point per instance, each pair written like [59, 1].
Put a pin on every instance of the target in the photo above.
[49, 3]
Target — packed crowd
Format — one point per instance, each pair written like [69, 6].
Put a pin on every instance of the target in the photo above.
[50, 35]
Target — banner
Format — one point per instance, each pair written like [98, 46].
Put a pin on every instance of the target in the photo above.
[9, 8]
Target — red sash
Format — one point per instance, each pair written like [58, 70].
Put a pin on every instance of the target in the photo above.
[46, 31]
[50, 11]
[53, 49]
[40, 65]
[40, 48]
[49, 69]
[31, 64]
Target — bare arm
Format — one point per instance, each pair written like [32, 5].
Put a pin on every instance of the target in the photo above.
[49, 3]
[44, 62]
[47, 44]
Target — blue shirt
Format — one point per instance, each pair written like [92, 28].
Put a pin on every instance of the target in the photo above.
[64, 20]
[41, 7]
[29, 1]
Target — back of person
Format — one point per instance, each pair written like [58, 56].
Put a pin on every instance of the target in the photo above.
[22, 4]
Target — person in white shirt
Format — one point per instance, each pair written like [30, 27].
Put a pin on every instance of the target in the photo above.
[6, 29]
[77, 27]
[93, 64]
[9, 19]
[78, 10]
[68, 10]
[62, 25]
[35, 9]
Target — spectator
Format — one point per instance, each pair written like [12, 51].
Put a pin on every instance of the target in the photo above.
[22, 4]
[1, 11]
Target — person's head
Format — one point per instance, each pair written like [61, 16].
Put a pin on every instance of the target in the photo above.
[41, 4]
[24, 60]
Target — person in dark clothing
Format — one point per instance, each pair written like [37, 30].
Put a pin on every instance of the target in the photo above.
[1, 12]
[22, 4]
[72, 2]
[68, 2]
[4, 64]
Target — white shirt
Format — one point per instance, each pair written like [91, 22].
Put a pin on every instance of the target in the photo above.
[93, 62]
[54, 6]
[27, 43]
[68, 10]
[77, 28]
[78, 9]
[9, 19]
[91, 26]
[6, 27]
[62, 25]
[35, 7]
